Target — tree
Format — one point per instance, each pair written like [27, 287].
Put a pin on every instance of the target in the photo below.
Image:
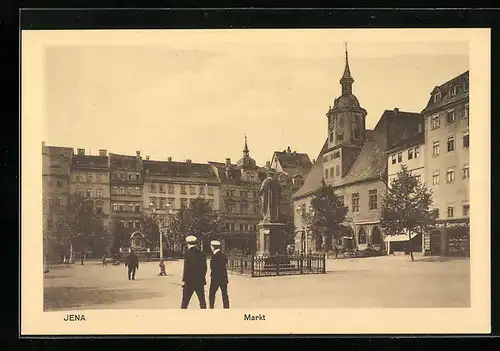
[329, 213]
[150, 230]
[289, 228]
[81, 226]
[406, 207]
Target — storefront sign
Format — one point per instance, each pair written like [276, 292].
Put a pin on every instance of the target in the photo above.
[427, 242]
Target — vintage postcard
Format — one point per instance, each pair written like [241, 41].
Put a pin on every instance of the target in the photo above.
[278, 179]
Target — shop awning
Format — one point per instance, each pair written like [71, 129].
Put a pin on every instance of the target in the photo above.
[399, 237]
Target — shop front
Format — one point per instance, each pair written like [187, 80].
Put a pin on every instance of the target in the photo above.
[449, 238]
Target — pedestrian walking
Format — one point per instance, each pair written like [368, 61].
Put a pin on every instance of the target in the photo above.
[132, 263]
[162, 268]
[104, 262]
[193, 277]
[218, 275]
[81, 258]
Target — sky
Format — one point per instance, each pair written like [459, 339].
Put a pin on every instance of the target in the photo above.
[194, 95]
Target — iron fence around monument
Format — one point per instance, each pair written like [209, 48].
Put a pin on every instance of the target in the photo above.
[277, 265]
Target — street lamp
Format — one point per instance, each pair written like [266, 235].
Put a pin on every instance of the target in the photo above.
[161, 223]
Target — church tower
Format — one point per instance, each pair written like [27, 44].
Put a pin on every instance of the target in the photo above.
[346, 130]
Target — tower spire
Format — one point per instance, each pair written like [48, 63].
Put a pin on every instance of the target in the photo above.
[245, 149]
[346, 80]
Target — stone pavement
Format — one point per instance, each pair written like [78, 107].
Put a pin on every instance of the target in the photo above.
[376, 282]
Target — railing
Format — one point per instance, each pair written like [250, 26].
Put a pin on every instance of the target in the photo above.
[277, 265]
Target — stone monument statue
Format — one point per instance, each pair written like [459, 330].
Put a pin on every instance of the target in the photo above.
[270, 193]
[270, 236]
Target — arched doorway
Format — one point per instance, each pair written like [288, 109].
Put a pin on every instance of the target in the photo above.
[362, 236]
[137, 240]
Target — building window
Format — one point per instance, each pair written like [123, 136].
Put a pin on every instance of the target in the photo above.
[331, 157]
[79, 192]
[130, 208]
[89, 177]
[130, 191]
[465, 209]
[183, 189]
[50, 223]
[122, 175]
[162, 203]
[340, 136]
[417, 152]
[331, 137]
[465, 172]
[99, 192]
[171, 189]
[136, 224]
[137, 176]
[355, 202]
[357, 133]
[451, 144]
[115, 207]
[98, 208]
[122, 190]
[466, 111]
[192, 190]
[393, 159]
[451, 116]
[400, 157]
[465, 139]
[451, 211]
[337, 170]
[130, 176]
[113, 190]
[331, 172]
[435, 148]
[372, 202]
[184, 203]
[244, 208]
[341, 199]
[437, 96]
[137, 209]
[152, 188]
[466, 85]
[233, 193]
[123, 224]
[228, 193]
[435, 122]
[79, 177]
[336, 154]
[88, 193]
[98, 177]
[453, 91]
[210, 191]
[450, 175]
[410, 154]
[59, 184]
[162, 188]
[435, 178]
[121, 207]
[326, 173]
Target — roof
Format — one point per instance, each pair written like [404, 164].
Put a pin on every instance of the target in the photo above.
[128, 162]
[371, 162]
[413, 140]
[446, 99]
[314, 177]
[294, 163]
[179, 169]
[89, 161]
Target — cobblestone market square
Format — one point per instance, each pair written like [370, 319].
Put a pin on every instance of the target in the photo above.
[379, 282]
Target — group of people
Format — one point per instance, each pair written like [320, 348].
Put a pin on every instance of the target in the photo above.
[195, 270]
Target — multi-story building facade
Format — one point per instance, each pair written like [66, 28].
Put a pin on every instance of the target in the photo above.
[447, 164]
[126, 180]
[353, 160]
[240, 202]
[56, 165]
[409, 153]
[90, 179]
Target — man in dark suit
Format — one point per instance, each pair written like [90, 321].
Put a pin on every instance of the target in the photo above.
[132, 263]
[193, 278]
[218, 275]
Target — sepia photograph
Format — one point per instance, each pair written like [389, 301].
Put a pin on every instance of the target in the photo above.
[259, 174]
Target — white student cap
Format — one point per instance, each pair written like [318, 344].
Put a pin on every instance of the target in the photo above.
[191, 239]
[215, 243]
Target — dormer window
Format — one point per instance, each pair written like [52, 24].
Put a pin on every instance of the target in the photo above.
[437, 96]
[453, 91]
[466, 85]
[340, 136]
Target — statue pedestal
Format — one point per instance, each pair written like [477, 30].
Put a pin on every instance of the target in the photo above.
[271, 240]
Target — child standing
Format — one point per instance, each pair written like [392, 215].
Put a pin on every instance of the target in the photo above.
[162, 268]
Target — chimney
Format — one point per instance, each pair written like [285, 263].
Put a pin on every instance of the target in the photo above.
[147, 157]
[103, 152]
[228, 162]
[188, 161]
[169, 159]
[268, 164]
[138, 154]
[81, 152]
[288, 150]
[396, 110]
